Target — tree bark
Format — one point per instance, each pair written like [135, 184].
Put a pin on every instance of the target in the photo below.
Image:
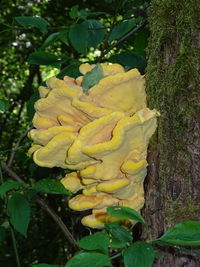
[173, 183]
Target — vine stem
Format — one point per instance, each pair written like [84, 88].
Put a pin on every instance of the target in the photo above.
[115, 256]
[44, 205]
[14, 150]
[15, 246]
[14, 241]
[123, 38]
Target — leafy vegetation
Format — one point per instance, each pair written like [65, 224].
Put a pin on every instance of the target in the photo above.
[40, 39]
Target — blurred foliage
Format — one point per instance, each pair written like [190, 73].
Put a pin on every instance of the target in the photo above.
[39, 39]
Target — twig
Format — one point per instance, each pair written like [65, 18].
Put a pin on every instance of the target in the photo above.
[115, 256]
[44, 205]
[58, 220]
[14, 150]
[13, 175]
[17, 123]
[126, 36]
[15, 247]
[14, 241]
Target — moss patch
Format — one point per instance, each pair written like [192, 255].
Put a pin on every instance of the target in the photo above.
[176, 212]
[173, 89]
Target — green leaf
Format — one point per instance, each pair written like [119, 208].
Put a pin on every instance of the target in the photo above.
[18, 209]
[117, 244]
[180, 248]
[125, 213]
[74, 12]
[2, 233]
[30, 193]
[4, 104]
[50, 186]
[37, 22]
[141, 41]
[94, 14]
[139, 254]
[122, 28]
[7, 186]
[131, 59]
[188, 251]
[96, 32]
[63, 36]
[82, 14]
[92, 77]
[30, 104]
[78, 35]
[50, 39]
[71, 70]
[6, 224]
[45, 265]
[89, 259]
[119, 235]
[45, 58]
[98, 241]
[184, 234]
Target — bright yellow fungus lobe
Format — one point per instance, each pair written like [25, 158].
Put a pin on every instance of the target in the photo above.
[102, 135]
[72, 182]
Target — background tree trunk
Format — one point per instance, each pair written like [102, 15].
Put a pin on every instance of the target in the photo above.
[173, 183]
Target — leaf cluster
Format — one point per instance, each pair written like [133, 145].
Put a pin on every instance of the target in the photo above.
[52, 38]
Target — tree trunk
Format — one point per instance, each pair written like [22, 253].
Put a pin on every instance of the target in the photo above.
[173, 183]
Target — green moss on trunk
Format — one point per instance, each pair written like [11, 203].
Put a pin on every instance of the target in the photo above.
[173, 89]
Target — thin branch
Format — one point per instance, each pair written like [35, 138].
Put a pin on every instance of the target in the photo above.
[16, 124]
[115, 256]
[44, 205]
[15, 247]
[14, 150]
[13, 175]
[5, 30]
[22, 97]
[58, 220]
[14, 241]
[126, 36]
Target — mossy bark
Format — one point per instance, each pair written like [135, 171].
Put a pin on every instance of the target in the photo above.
[173, 183]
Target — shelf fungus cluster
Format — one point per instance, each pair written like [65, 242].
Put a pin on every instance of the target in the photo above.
[101, 135]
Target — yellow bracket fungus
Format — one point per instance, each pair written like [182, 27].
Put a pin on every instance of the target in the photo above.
[102, 136]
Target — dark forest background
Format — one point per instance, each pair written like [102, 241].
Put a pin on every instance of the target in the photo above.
[161, 39]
